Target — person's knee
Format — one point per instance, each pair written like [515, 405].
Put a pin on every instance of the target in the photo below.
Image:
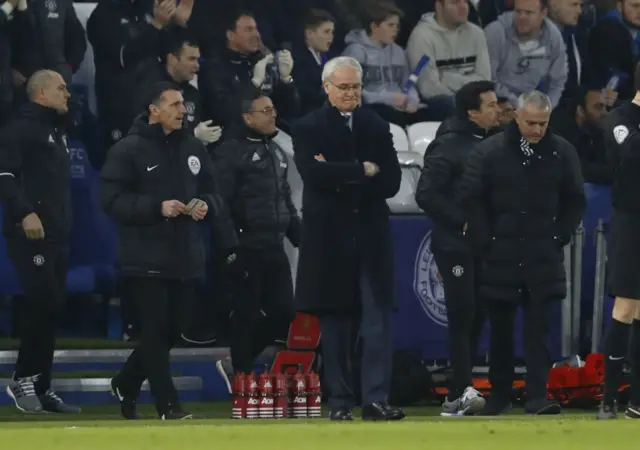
[460, 320]
[625, 310]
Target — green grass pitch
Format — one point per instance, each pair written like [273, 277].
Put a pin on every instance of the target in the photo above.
[101, 428]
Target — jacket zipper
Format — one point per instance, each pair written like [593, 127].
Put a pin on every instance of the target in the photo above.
[272, 157]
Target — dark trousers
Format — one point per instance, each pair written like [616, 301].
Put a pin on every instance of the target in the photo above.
[42, 269]
[262, 305]
[375, 341]
[502, 316]
[465, 313]
[160, 309]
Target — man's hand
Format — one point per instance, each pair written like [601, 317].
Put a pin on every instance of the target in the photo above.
[400, 100]
[260, 70]
[200, 212]
[183, 12]
[163, 11]
[465, 227]
[371, 169]
[172, 208]
[32, 227]
[320, 158]
[411, 108]
[207, 133]
[285, 64]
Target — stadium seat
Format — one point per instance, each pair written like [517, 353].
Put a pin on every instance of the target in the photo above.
[404, 201]
[421, 134]
[400, 141]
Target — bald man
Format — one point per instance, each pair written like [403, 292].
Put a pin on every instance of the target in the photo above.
[34, 189]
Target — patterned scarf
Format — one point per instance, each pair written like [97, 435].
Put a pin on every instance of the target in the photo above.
[526, 147]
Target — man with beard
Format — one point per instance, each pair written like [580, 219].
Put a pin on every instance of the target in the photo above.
[581, 124]
[476, 115]
[523, 197]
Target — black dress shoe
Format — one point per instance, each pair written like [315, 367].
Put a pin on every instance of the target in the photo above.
[382, 411]
[496, 406]
[340, 414]
[542, 407]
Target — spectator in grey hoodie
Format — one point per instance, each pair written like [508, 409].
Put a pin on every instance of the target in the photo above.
[456, 48]
[527, 52]
[386, 69]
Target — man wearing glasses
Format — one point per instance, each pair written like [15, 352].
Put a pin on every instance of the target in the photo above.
[349, 167]
[253, 181]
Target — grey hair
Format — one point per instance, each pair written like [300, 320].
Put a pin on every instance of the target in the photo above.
[339, 62]
[535, 98]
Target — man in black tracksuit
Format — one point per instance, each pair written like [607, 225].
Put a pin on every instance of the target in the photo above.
[253, 179]
[48, 35]
[477, 114]
[34, 188]
[148, 182]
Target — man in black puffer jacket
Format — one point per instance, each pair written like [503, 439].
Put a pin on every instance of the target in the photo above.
[253, 179]
[476, 116]
[523, 195]
[148, 182]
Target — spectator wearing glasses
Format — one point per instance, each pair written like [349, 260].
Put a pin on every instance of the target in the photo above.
[507, 111]
[253, 180]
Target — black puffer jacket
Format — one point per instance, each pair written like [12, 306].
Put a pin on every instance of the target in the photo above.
[34, 172]
[443, 167]
[253, 180]
[521, 211]
[143, 170]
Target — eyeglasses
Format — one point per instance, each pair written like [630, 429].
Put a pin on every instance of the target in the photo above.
[356, 87]
[269, 111]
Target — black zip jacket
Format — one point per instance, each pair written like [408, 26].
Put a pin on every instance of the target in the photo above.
[34, 173]
[253, 180]
[158, 73]
[144, 169]
[48, 35]
[125, 45]
[443, 166]
[222, 80]
[622, 139]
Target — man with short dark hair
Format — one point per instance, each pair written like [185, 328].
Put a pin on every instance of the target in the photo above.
[507, 111]
[444, 159]
[581, 123]
[527, 52]
[243, 64]
[157, 183]
[523, 196]
[253, 181]
[310, 58]
[179, 65]
[34, 188]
